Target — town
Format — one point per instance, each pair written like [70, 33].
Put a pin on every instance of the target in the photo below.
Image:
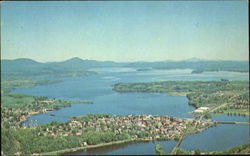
[17, 107]
[149, 127]
[94, 130]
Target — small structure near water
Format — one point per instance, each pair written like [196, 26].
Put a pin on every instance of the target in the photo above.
[201, 110]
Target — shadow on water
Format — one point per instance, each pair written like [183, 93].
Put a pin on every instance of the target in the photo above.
[100, 150]
[133, 148]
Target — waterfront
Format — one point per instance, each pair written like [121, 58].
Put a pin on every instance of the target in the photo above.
[98, 88]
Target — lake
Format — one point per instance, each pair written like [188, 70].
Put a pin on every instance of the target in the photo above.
[98, 88]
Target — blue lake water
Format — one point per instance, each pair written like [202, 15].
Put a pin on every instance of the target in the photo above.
[225, 117]
[139, 148]
[98, 88]
[217, 138]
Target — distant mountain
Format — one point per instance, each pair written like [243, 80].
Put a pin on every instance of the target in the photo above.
[24, 61]
[26, 68]
[194, 59]
[23, 68]
[21, 64]
[75, 59]
[80, 64]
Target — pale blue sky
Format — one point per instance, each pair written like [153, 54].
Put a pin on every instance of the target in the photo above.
[125, 31]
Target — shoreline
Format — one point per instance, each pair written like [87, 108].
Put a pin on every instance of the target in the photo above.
[178, 93]
[29, 115]
[78, 149]
[75, 149]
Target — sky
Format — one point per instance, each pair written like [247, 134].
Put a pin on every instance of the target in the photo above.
[125, 30]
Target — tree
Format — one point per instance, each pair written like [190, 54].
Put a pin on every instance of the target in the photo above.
[197, 152]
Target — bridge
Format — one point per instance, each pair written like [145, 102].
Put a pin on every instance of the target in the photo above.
[174, 150]
[231, 122]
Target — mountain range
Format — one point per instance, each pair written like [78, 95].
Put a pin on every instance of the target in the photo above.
[24, 67]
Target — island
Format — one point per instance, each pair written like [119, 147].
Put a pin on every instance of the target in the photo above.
[197, 71]
[143, 69]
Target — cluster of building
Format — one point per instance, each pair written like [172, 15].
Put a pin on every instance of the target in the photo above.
[137, 126]
[201, 110]
[13, 117]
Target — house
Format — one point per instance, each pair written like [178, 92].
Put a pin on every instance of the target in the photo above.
[204, 108]
[198, 111]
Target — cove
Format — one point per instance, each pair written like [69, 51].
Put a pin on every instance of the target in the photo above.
[98, 88]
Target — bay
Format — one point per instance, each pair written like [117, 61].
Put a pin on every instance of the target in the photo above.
[98, 88]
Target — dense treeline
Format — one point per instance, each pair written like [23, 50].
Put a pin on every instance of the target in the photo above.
[234, 94]
[240, 149]
[27, 141]
[159, 150]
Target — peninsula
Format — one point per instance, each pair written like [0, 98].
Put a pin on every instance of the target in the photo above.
[97, 129]
[209, 97]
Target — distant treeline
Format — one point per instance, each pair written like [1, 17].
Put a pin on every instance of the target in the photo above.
[27, 68]
[197, 66]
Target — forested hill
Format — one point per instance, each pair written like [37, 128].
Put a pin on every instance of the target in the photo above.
[23, 67]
